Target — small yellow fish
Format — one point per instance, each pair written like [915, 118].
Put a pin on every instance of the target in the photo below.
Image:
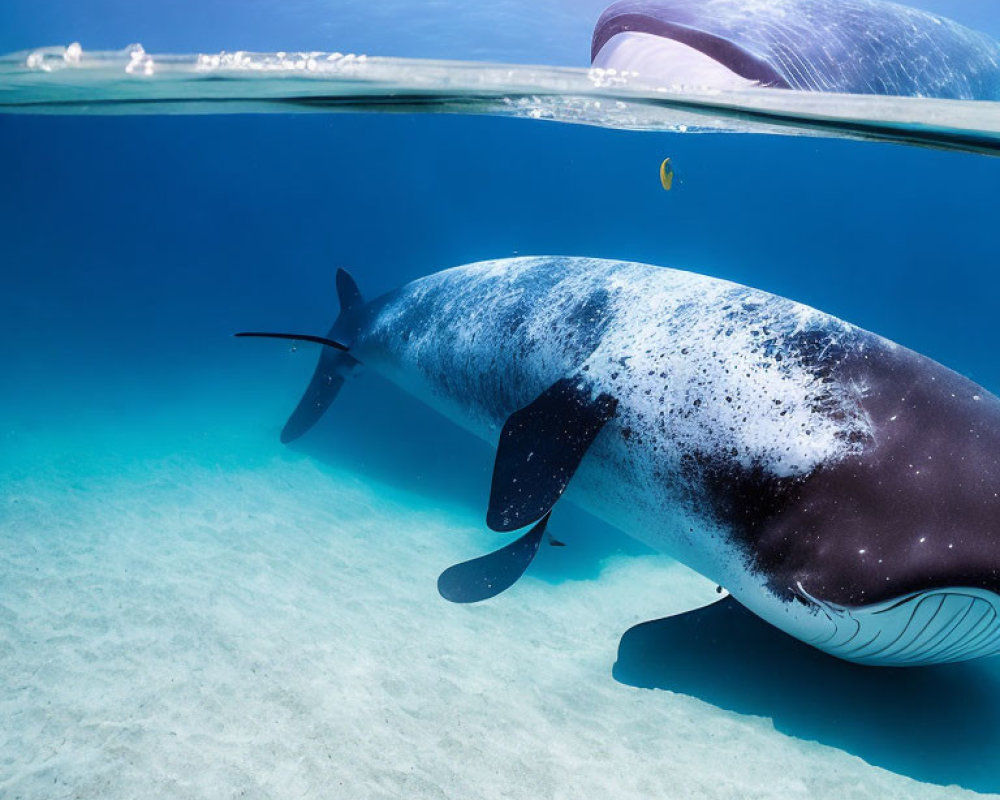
[666, 175]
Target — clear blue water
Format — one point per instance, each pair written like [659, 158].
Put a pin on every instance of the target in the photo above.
[133, 247]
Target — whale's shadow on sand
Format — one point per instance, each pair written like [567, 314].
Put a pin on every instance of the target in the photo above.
[935, 724]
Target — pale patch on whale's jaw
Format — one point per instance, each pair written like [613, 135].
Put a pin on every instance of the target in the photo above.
[667, 61]
[936, 626]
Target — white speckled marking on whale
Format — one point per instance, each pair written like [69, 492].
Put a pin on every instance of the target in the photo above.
[670, 338]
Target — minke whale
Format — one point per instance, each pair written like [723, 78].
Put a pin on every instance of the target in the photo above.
[840, 486]
[850, 46]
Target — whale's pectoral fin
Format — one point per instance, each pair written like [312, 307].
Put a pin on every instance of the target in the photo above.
[487, 576]
[540, 448]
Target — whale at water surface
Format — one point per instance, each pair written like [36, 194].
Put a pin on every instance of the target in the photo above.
[851, 46]
[841, 487]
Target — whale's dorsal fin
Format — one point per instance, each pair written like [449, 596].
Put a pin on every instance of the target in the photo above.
[487, 576]
[540, 448]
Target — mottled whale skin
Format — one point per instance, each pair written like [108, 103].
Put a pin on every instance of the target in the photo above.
[841, 487]
[851, 46]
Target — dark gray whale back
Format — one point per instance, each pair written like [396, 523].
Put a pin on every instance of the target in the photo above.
[852, 46]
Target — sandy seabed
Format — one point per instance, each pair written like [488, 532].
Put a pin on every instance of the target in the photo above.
[174, 630]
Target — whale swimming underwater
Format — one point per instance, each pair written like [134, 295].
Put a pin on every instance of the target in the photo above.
[841, 487]
[853, 46]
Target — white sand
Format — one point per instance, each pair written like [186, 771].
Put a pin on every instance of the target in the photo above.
[173, 630]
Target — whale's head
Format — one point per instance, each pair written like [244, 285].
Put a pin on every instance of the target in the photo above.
[851, 46]
[896, 544]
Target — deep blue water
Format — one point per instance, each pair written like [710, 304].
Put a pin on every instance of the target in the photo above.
[132, 248]
[135, 246]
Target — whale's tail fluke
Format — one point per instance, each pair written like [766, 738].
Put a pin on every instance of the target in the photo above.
[331, 371]
[335, 361]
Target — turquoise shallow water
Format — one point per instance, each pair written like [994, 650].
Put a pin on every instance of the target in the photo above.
[191, 609]
[190, 612]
